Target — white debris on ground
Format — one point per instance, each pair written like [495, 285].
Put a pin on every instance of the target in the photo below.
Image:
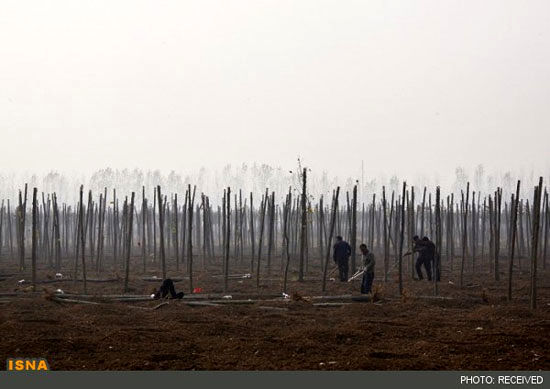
[59, 291]
[228, 297]
[286, 296]
[20, 281]
[247, 275]
[58, 276]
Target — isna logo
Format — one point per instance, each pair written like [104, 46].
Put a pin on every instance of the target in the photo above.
[27, 364]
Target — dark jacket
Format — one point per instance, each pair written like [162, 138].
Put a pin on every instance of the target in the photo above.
[426, 248]
[342, 251]
[368, 262]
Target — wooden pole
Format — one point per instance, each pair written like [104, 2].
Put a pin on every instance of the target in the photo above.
[438, 239]
[34, 235]
[82, 237]
[329, 240]
[161, 231]
[129, 241]
[252, 238]
[498, 209]
[464, 233]
[227, 239]
[353, 239]
[286, 212]
[534, 243]
[303, 230]
[260, 245]
[513, 239]
[401, 238]
[547, 226]
[191, 204]
[386, 241]
[143, 222]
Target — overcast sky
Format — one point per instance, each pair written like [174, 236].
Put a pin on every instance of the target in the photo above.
[405, 86]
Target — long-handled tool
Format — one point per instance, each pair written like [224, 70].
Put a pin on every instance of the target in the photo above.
[332, 271]
[357, 274]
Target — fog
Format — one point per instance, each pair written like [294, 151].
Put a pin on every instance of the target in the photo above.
[360, 90]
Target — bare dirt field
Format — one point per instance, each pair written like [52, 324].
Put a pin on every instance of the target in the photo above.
[473, 328]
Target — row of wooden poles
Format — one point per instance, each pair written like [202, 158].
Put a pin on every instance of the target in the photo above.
[295, 231]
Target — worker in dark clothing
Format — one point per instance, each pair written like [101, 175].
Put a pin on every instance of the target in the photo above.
[432, 258]
[425, 249]
[166, 288]
[342, 252]
[368, 269]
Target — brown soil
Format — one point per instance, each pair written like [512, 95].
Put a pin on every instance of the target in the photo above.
[476, 329]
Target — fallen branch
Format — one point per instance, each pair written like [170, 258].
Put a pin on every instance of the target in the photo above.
[234, 276]
[25, 282]
[272, 308]
[149, 308]
[74, 301]
[201, 304]
[159, 306]
[159, 279]
[330, 304]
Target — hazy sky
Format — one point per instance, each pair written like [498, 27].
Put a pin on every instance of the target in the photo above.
[403, 85]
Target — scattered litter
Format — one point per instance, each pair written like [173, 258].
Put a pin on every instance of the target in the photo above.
[332, 363]
[247, 275]
[59, 291]
[321, 363]
[197, 290]
[332, 279]
[58, 276]
[479, 328]
[155, 277]
[153, 296]
[451, 282]
[286, 296]
[227, 297]
[21, 281]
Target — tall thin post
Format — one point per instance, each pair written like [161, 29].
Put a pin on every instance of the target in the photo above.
[329, 240]
[129, 242]
[34, 235]
[513, 239]
[303, 230]
[161, 232]
[353, 239]
[534, 243]
[227, 239]
[464, 233]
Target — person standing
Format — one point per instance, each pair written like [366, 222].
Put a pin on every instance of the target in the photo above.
[426, 250]
[368, 269]
[342, 252]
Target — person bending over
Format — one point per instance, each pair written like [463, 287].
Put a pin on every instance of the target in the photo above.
[166, 288]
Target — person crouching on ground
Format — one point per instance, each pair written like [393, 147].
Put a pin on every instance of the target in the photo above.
[166, 288]
[368, 266]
